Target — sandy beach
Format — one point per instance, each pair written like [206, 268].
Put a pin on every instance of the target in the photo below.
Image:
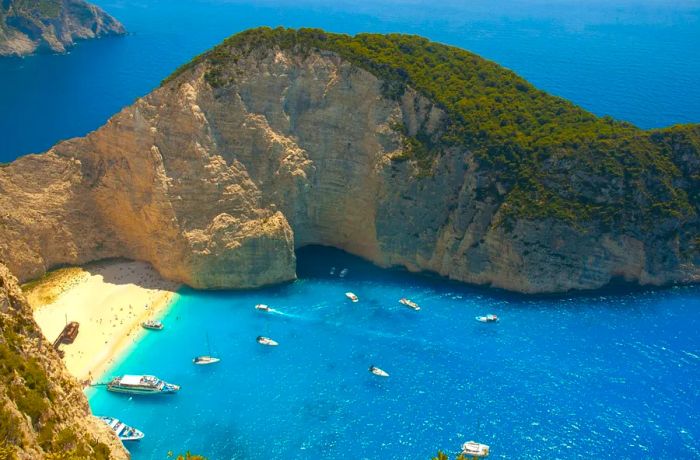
[110, 300]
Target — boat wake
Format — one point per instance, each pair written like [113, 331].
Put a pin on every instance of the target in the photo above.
[286, 315]
[273, 311]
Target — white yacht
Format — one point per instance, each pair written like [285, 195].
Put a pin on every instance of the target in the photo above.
[141, 384]
[487, 319]
[124, 432]
[475, 449]
[352, 296]
[409, 303]
[266, 341]
[152, 324]
[202, 360]
[378, 372]
[206, 359]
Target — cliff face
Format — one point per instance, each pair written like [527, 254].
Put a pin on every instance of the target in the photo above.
[218, 175]
[42, 408]
[27, 26]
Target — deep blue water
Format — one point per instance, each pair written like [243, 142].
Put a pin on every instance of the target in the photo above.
[633, 59]
[613, 375]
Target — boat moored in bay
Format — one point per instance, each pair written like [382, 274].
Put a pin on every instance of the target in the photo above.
[409, 303]
[475, 450]
[378, 372]
[124, 432]
[141, 384]
[487, 319]
[153, 325]
[202, 360]
[266, 341]
[208, 358]
[352, 296]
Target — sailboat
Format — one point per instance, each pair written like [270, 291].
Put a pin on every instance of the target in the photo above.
[206, 359]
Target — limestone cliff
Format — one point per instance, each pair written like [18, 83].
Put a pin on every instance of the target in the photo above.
[43, 412]
[267, 144]
[27, 26]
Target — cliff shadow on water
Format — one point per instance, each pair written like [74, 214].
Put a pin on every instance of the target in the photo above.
[315, 261]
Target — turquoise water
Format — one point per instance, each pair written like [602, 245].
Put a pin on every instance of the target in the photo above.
[633, 59]
[613, 375]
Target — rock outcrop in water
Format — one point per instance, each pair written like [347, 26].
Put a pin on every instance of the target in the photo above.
[27, 26]
[43, 411]
[402, 151]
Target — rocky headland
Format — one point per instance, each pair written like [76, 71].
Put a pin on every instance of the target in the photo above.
[402, 151]
[29, 26]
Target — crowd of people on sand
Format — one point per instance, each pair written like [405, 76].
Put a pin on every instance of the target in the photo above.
[110, 300]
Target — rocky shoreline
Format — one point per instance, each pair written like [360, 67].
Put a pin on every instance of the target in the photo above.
[51, 25]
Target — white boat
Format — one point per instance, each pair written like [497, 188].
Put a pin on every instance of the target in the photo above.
[487, 318]
[202, 360]
[124, 432]
[262, 307]
[141, 384]
[206, 359]
[378, 372]
[352, 296]
[343, 272]
[409, 304]
[332, 272]
[475, 449]
[266, 341]
[152, 324]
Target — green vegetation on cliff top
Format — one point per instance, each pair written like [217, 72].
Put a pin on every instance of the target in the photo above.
[36, 8]
[553, 158]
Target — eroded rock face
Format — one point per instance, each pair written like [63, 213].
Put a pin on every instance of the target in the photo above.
[51, 25]
[216, 187]
[33, 414]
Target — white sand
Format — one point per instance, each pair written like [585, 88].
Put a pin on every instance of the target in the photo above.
[110, 300]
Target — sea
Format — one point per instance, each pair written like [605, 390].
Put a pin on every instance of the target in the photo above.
[608, 375]
[611, 374]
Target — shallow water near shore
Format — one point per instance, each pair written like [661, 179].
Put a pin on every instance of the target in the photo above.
[600, 376]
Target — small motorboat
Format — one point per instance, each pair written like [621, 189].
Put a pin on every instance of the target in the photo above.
[378, 372]
[153, 325]
[475, 449]
[262, 307]
[332, 272]
[487, 318]
[266, 341]
[352, 296]
[409, 304]
[343, 272]
[202, 360]
[124, 432]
